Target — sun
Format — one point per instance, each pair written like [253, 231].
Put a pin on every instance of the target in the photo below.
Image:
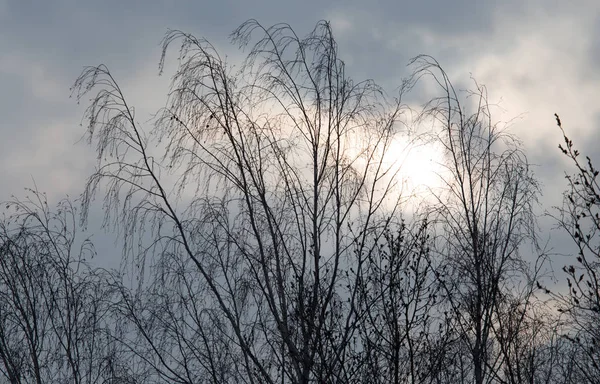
[415, 168]
[419, 166]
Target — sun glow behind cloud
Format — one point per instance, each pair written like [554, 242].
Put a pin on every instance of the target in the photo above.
[413, 165]
[420, 166]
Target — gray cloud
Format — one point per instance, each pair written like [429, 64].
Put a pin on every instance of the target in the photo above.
[538, 57]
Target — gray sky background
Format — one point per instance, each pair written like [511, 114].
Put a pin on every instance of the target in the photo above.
[536, 58]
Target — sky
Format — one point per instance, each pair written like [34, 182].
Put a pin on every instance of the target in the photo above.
[535, 57]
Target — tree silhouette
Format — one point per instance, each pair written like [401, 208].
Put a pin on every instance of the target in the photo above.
[260, 249]
[579, 216]
[266, 241]
[484, 216]
[53, 307]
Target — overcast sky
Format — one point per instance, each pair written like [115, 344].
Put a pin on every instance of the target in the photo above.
[535, 57]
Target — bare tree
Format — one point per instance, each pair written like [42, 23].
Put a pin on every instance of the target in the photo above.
[579, 216]
[52, 306]
[404, 333]
[485, 215]
[261, 222]
[257, 214]
[530, 339]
